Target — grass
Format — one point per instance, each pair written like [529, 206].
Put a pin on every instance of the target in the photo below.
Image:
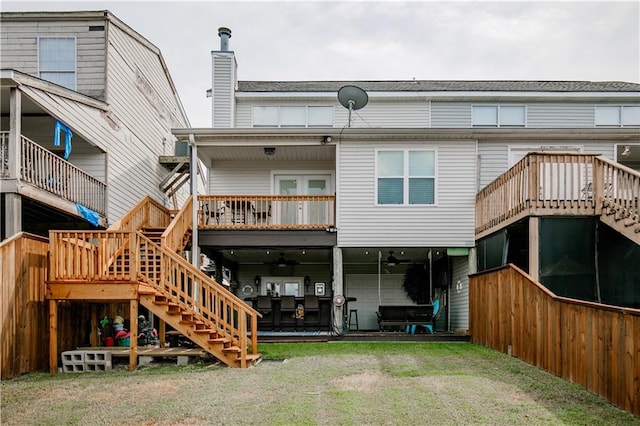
[324, 383]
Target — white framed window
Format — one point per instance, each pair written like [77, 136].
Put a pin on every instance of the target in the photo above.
[57, 60]
[617, 115]
[292, 116]
[405, 177]
[498, 116]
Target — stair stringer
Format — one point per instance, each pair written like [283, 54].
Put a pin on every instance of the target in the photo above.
[623, 222]
[202, 334]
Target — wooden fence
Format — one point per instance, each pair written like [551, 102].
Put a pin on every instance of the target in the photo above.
[594, 345]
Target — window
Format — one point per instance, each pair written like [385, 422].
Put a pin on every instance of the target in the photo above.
[617, 116]
[498, 116]
[57, 60]
[406, 177]
[292, 116]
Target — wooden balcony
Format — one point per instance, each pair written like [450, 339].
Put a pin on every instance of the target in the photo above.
[45, 170]
[558, 184]
[301, 212]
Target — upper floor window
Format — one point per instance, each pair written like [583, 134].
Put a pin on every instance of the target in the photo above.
[498, 116]
[57, 60]
[406, 177]
[618, 116]
[292, 116]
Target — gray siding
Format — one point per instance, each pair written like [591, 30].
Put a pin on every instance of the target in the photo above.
[19, 42]
[450, 223]
[223, 89]
[449, 114]
[254, 177]
[494, 155]
[560, 115]
[459, 301]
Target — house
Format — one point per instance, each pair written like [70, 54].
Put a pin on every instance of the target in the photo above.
[87, 108]
[309, 195]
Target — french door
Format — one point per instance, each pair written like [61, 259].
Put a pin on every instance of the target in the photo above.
[298, 210]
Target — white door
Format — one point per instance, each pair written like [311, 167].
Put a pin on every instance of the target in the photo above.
[299, 211]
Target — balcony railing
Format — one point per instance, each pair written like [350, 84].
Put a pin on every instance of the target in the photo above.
[266, 211]
[45, 170]
[546, 184]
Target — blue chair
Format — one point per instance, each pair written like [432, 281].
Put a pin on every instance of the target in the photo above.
[429, 326]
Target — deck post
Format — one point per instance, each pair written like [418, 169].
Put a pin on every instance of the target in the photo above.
[53, 336]
[133, 332]
[162, 331]
[94, 325]
[338, 289]
[534, 247]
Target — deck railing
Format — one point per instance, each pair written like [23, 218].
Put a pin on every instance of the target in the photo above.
[266, 211]
[47, 171]
[558, 184]
[147, 213]
[173, 237]
[588, 343]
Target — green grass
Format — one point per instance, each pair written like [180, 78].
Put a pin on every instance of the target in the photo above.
[316, 383]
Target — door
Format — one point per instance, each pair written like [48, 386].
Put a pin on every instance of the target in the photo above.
[299, 210]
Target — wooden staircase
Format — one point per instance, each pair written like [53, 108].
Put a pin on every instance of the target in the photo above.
[138, 259]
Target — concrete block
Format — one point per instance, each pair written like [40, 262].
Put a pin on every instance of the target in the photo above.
[72, 357]
[98, 366]
[186, 360]
[73, 368]
[97, 356]
[144, 361]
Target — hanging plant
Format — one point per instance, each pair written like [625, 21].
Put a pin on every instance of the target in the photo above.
[416, 283]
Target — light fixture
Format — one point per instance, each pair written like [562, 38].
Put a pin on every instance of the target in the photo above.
[256, 280]
[269, 150]
[326, 140]
[231, 252]
[307, 282]
[626, 151]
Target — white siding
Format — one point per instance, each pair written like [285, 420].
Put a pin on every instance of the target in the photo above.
[223, 89]
[254, 177]
[19, 42]
[459, 300]
[364, 287]
[143, 103]
[494, 155]
[450, 223]
[448, 114]
[560, 115]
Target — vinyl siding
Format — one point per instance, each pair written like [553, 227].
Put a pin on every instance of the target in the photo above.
[448, 114]
[560, 115]
[449, 223]
[254, 177]
[223, 90]
[494, 155]
[144, 105]
[364, 287]
[19, 42]
[459, 302]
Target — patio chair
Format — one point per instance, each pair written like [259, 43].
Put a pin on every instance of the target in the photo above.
[288, 311]
[430, 324]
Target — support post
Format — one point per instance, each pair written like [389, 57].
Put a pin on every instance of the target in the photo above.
[195, 256]
[338, 289]
[162, 330]
[94, 325]
[133, 332]
[53, 336]
[15, 132]
[534, 247]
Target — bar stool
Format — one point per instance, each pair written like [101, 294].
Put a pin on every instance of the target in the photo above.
[353, 314]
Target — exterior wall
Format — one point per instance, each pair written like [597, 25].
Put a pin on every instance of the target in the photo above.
[223, 86]
[494, 155]
[459, 300]
[450, 114]
[254, 177]
[19, 40]
[144, 106]
[449, 223]
[364, 287]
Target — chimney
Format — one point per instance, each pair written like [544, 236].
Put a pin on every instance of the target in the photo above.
[224, 34]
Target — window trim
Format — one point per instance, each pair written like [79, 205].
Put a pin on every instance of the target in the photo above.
[620, 108]
[306, 116]
[75, 68]
[498, 124]
[406, 177]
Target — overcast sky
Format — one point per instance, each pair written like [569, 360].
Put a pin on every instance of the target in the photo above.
[388, 40]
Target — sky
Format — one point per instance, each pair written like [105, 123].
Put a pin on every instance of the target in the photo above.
[384, 40]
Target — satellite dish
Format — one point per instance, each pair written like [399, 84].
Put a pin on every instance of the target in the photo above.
[352, 98]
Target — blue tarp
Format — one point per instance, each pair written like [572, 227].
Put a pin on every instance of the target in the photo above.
[91, 216]
[67, 138]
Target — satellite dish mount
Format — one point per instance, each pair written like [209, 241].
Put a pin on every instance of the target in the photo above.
[352, 98]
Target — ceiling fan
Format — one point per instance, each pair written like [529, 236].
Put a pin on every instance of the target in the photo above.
[282, 261]
[393, 261]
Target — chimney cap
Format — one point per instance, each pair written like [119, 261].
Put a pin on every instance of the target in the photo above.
[224, 30]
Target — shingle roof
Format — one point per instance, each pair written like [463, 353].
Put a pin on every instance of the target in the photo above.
[440, 86]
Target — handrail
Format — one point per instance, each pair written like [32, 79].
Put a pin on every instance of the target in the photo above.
[558, 183]
[208, 300]
[173, 237]
[266, 211]
[146, 213]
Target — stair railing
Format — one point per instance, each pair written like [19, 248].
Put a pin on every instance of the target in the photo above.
[146, 213]
[173, 237]
[208, 300]
[619, 190]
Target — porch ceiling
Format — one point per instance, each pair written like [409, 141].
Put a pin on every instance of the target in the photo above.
[257, 153]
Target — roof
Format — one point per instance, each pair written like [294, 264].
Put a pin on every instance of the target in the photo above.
[440, 86]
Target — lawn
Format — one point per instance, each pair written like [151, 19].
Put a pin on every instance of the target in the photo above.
[316, 383]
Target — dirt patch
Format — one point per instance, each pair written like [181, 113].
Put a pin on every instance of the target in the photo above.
[367, 382]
